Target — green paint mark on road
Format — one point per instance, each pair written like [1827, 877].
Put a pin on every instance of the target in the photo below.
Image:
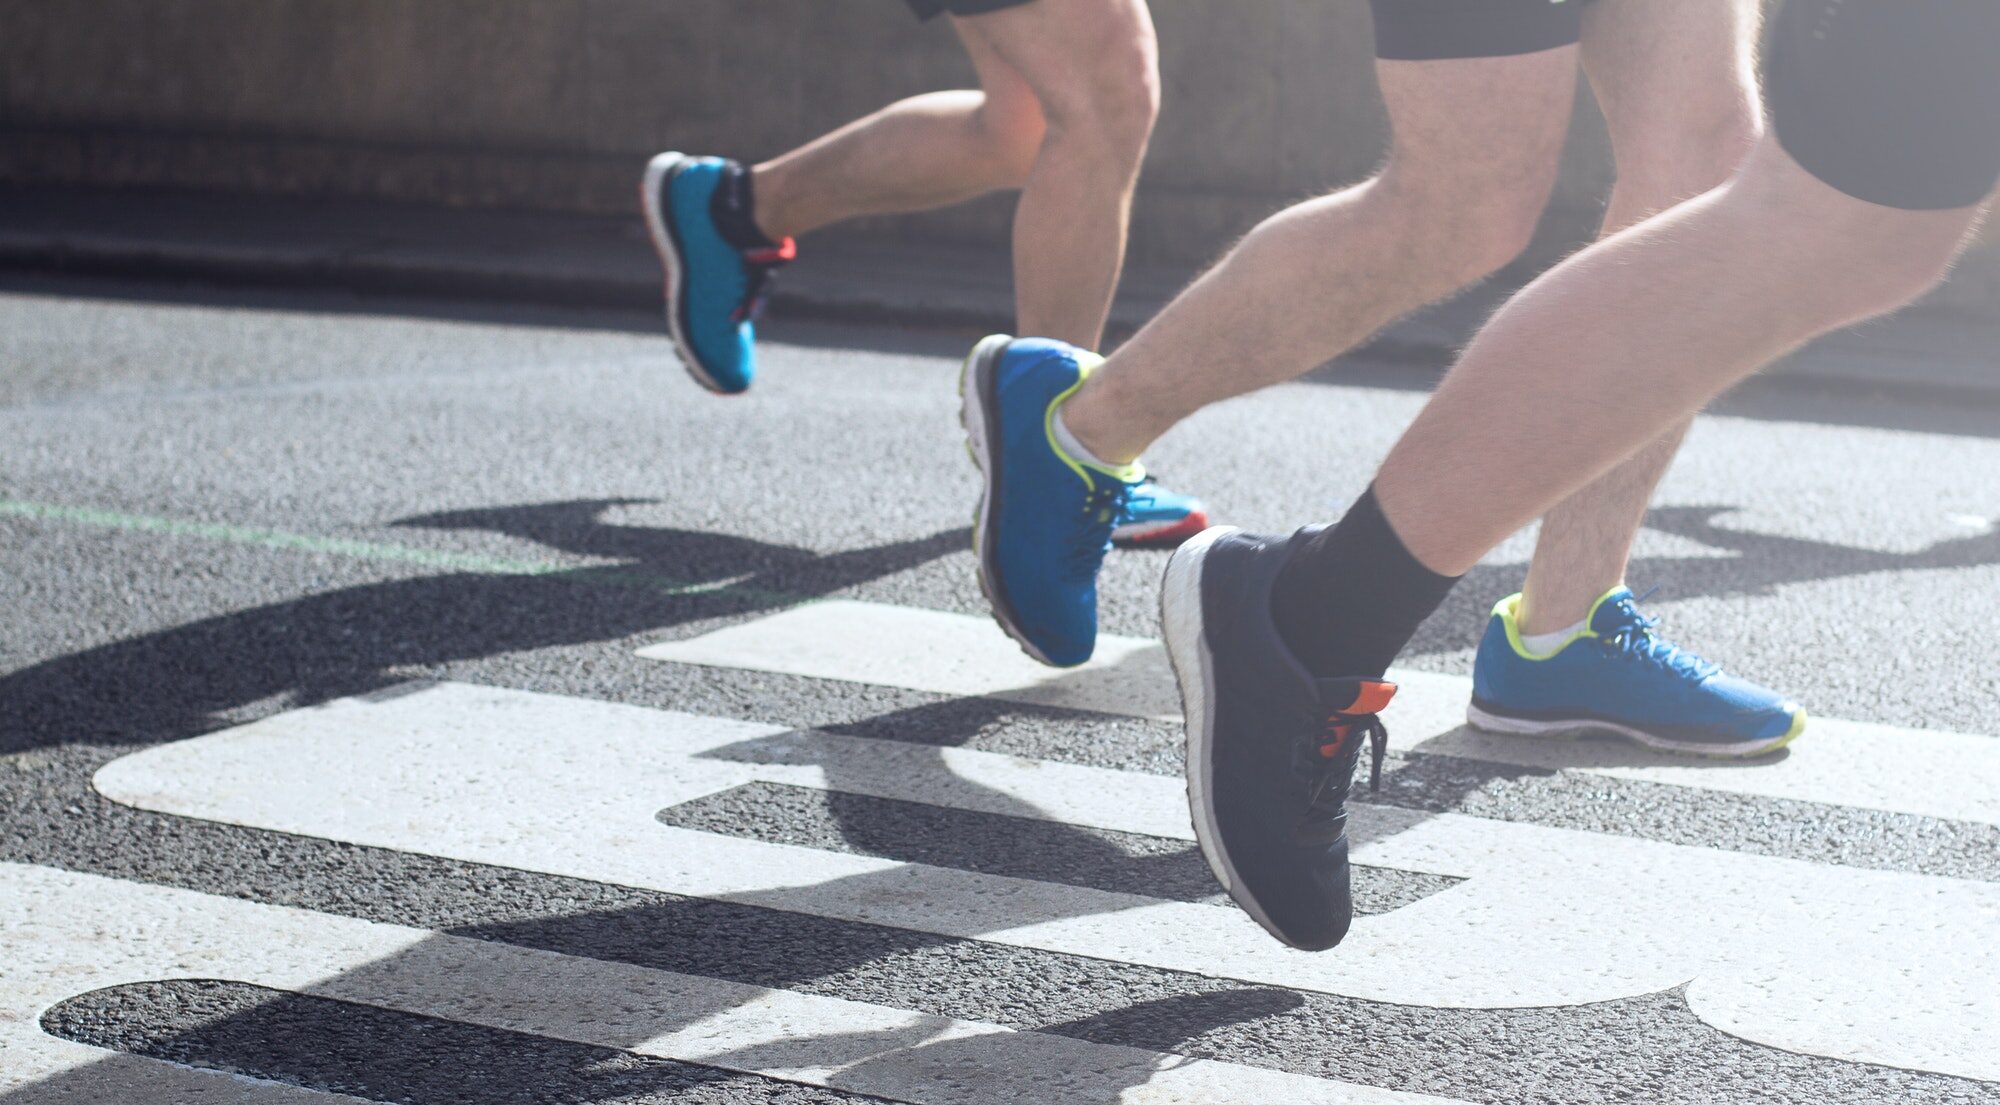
[383, 552]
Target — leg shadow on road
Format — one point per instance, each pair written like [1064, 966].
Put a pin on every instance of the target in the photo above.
[486, 1014]
[185, 680]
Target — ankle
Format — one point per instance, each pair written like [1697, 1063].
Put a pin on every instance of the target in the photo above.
[1087, 426]
[770, 213]
[1542, 617]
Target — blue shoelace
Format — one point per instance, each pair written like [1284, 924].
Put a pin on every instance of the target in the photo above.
[1635, 639]
[1102, 507]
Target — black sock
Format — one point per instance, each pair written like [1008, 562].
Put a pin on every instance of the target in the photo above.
[734, 209]
[1354, 596]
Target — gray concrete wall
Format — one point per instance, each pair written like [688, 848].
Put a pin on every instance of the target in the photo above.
[554, 103]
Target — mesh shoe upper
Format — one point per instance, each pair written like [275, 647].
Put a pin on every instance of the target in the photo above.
[1623, 672]
[720, 285]
[1053, 515]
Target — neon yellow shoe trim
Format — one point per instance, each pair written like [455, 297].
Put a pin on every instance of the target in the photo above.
[1508, 610]
[1086, 363]
[1796, 731]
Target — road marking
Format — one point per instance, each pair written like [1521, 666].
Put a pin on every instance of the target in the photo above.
[1845, 763]
[1863, 965]
[53, 942]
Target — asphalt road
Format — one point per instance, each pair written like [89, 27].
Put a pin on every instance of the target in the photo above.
[222, 507]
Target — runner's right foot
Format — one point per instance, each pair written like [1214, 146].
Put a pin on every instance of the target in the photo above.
[715, 288]
[1045, 518]
[1271, 750]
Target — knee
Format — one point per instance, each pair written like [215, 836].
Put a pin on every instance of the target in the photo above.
[1113, 101]
[1845, 259]
[1012, 130]
[1878, 264]
[1666, 161]
[1471, 223]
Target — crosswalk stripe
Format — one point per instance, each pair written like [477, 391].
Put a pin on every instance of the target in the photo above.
[1848, 763]
[52, 936]
[1864, 965]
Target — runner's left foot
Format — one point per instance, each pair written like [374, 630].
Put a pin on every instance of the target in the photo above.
[1156, 518]
[1619, 677]
[1045, 518]
[715, 286]
[1271, 750]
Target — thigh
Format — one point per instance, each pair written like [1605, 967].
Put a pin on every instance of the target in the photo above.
[1066, 49]
[1491, 126]
[1668, 72]
[1894, 102]
[1005, 87]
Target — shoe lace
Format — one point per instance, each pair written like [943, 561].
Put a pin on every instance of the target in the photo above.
[1635, 639]
[1102, 506]
[760, 269]
[1328, 762]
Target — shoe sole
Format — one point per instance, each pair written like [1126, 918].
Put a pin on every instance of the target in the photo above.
[1159, 535]
[1182, 624]
[666, 243]
[1489, 722]
[980, 436]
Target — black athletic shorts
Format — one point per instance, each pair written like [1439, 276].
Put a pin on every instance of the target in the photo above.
[927, 9]
[1433, 30]
[1896, 102]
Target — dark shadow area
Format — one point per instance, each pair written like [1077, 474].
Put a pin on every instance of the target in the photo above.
[174, 683]
[335, 1038]
[1011, 846]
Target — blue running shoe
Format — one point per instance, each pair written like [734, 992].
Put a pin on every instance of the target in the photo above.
[1271, 750]
[1619, 677]
[715, 288]
[1156, 518]
[1045, 518]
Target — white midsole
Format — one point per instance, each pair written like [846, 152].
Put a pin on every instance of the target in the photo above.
[972, 415]
[657, 171]
[1181, 626]
[1578, 727]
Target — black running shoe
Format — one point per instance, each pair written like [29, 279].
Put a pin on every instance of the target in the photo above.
[1271, 751]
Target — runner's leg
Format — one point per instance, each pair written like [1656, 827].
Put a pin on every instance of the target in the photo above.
[1677, 82]
[927, 151]
[1885, 144]
[1885, 138]
[1473, 157]
[1094, 68]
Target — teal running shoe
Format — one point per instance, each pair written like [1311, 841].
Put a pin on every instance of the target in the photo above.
[1620, 678]
[716, 284]
[1045, 518]
[1156, 518]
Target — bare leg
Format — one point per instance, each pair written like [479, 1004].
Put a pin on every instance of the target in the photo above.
[1677, 82]
[1094, 67]
[927, 151]
[1619, 343]
[1473, 158]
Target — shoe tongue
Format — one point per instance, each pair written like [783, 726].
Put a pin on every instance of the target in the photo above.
[1354, 695]
[1611, 614]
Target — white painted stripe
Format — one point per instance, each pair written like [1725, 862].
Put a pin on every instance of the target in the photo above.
[53, 939]
[927, 650]
[1866, 965]
[1845, 763]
